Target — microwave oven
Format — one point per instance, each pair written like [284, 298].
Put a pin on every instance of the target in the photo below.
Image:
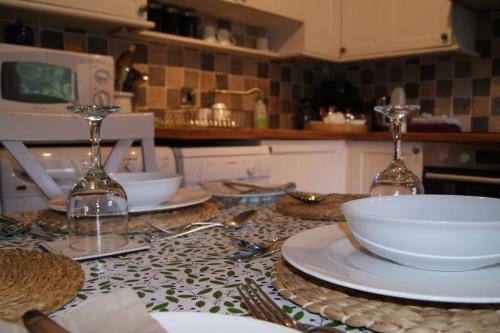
[34, 79]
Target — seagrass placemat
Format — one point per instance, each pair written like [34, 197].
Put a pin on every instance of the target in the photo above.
[36, 280]
[138, 223]
[328, 209]
[381, 313]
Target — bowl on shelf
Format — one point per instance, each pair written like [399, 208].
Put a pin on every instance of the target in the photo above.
[433, 232]
[148, 189]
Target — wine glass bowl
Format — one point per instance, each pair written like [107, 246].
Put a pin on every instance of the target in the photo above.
[396, 179]
[97, 207]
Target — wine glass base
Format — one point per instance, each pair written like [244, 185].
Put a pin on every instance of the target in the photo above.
[98, 244]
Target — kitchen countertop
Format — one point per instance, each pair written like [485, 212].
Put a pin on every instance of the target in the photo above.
[278, 134]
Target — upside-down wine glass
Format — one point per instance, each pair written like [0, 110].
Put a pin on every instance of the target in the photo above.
[396, 179]
[96, 207]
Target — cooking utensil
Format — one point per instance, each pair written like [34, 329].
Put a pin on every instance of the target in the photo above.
[308, 197]
[37, 322]
[233, 223]
[262, 307]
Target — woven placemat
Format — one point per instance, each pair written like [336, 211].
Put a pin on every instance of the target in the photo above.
[36, 280]
[326, 210]
[56, 222]
[381, 313]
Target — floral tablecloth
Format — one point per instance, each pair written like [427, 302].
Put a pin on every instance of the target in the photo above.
[191, 273]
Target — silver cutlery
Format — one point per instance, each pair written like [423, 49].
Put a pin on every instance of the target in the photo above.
[254, 188]
[308, 197]
[37, 322]
[262, 307]
[255, 251]
[233, 223]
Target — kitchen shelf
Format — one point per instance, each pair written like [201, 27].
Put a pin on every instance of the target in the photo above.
[54, 15]
[163, 38]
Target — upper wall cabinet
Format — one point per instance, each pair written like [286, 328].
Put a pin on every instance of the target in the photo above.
[93, 15]
[372, 29]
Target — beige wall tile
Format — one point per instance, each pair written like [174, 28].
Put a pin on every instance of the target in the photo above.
[175, 77]
[222, 63]
[191, 79]
[191, 58]
[249, 82]
[173, 98]
[442, 106]
[481, 68]
[481, 105]
[156, 97]
[263, 84]
[273, 105]
[462, 87]
[495, 86]
[207, 81]
[286, 90]
[249, 67]
[494, 124]
[286, 121]
[236, 82]
[427, 89]
[464, 121]
[443, 69]
[248, 102]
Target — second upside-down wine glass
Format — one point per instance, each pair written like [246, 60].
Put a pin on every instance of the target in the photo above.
[396, 179]
[97, 207]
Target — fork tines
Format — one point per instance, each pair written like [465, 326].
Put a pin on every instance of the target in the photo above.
[261, 306]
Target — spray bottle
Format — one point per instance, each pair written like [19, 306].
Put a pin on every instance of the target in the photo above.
[260, 113]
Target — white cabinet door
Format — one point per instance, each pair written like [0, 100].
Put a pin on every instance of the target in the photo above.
[285, 8]
[315, 166]
[322, 27]
[418, 24]
[366, 159]
[363, 25]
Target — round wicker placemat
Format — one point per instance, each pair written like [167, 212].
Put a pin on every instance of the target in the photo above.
[56, 222]
[328, 209]
[381, 313]
[36, 280]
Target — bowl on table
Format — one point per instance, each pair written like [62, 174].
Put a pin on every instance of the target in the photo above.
[433, 232]
[148, 189]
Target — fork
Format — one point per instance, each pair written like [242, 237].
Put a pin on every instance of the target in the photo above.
[262, 307]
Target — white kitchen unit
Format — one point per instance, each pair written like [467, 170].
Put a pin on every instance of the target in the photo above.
[314, 165]
[375, 29]
[205, 164]
[366, 158]
[318, 37]
[92, 15]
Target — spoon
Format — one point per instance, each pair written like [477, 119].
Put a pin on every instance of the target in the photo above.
[308, 197]
[255, 251]
[233, 223]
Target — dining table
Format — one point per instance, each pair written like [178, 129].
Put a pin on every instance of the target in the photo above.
[195, 272]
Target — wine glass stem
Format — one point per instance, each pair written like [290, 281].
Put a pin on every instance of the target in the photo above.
[95, 138]
[396, 138]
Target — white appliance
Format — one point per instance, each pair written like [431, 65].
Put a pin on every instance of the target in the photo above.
[247, 163]
[65, 165]
[314, 165]
[36, 79]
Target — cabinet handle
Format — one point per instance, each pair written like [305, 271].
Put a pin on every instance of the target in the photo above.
[415, 150]
[342, 50]
[444, 36]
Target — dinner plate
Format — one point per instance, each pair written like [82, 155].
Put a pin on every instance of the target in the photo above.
[191, 322]
[330, 253]
[183, 198]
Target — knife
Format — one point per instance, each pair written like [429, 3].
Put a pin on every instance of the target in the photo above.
[37, 322]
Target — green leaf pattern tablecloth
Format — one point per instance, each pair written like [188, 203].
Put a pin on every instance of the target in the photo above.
[191, 273]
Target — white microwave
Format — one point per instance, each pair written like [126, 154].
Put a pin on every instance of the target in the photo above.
[34, 79]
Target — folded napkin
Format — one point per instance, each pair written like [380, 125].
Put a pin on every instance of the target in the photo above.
[119, 311]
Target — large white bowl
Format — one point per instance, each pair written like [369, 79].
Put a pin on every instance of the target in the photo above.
[435, 232]
[148, 189]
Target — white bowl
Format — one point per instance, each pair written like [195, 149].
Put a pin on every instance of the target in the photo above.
[147, 189]
[435, 232]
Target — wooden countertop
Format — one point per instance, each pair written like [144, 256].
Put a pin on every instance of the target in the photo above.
[191, 134]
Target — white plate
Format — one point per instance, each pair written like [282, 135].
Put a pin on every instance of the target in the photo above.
[183, 198]
[330, 253]
[191, 322]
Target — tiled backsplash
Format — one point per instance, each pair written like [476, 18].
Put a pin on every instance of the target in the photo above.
[464, 87]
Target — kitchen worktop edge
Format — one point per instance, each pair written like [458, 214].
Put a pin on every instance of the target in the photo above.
[279, 134]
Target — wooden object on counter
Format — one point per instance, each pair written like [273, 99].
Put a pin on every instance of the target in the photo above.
[339, 128]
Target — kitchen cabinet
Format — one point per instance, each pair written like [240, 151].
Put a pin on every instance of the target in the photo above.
[366, 159]
[316, 165]
[374, 29]
[92, 15]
